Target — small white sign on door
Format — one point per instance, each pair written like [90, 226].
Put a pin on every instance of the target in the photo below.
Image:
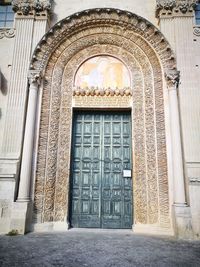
[127, 173]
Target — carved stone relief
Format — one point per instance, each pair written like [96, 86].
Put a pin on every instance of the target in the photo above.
[172, 78]
[34, 76]
[59, 64]
[173, 7]
[26, 7]
[7, 33]
[196, 31]
[96, 91]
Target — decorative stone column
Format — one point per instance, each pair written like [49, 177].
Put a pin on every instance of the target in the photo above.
[22, 209]
[25, 175]
[182, 214]
[172, 78]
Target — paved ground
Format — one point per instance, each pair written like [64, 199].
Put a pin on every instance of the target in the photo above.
[99, 248]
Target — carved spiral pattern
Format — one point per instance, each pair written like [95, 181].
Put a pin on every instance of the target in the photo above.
[7, 33]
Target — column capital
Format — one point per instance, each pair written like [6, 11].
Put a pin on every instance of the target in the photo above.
[172, 77]
[175, 7]
[29, 7]
[34, 76]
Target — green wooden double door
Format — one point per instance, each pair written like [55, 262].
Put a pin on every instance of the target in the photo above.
[101, 186]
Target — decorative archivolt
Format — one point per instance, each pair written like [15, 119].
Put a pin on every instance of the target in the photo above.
[107, 18]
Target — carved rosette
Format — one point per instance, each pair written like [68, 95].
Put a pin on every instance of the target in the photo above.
[27, 7]
[96, 91]
[7, 33]
[172, 77]
[172, 7]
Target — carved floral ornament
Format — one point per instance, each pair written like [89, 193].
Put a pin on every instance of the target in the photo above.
[171, 7]
[26, 7]
[103, 17]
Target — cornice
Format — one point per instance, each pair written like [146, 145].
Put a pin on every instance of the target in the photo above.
[28, 7]
[175, 7]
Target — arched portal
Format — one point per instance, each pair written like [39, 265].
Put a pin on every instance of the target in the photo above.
[146, 54]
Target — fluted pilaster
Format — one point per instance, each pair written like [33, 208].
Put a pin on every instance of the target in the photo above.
[31, 24]
[18, 87]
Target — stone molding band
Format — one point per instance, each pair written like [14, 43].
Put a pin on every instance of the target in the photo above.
[194, 180]
[171, 7]
[96, 91]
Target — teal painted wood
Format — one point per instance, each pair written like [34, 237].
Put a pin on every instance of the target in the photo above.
[100, 196]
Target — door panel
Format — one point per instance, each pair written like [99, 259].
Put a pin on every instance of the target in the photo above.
[101, 196]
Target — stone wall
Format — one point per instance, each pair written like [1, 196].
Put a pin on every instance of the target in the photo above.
[62, 9]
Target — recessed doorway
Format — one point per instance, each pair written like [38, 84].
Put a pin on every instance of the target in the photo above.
[101, 175]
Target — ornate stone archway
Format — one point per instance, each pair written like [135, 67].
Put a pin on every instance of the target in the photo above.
[149, 58]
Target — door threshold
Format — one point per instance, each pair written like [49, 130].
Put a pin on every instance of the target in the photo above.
[100, 230]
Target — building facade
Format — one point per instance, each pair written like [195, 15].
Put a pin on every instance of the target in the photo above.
[99, 116]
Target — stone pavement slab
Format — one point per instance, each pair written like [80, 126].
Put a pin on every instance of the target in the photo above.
[97, 248]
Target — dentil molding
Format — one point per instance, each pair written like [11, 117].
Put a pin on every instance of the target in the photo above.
[27, 7]
[173, 7]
